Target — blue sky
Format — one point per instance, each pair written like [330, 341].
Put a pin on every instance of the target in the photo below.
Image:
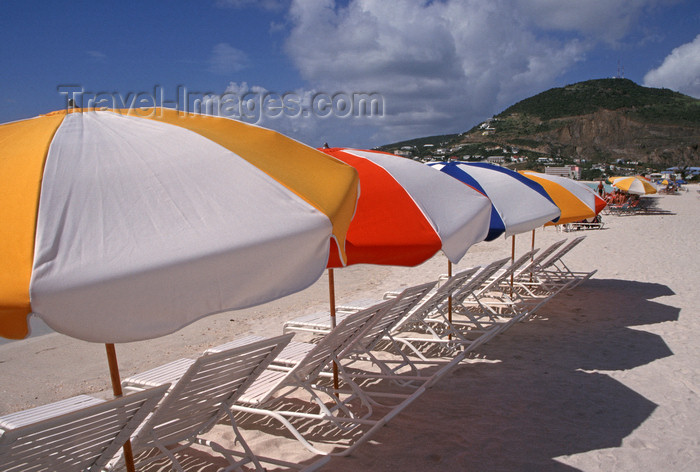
[432, 67]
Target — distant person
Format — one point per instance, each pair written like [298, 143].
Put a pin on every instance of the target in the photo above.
[601, 189]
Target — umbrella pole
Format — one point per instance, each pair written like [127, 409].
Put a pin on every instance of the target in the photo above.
[512, 260]
[449, 299]
[532, 255]
[117, 390]
[331, 294]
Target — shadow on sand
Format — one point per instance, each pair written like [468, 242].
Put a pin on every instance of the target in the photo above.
[539, 399]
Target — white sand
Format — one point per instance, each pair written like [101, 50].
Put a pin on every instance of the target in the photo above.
[606, 378]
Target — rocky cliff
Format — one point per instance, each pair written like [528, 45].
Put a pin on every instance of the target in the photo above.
[601, 120]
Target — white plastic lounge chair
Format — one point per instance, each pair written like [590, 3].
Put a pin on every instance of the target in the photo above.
[421, 327]
[345, 412]
[555, 267]
[589, 223]
[402, 305]
[325, 406]
[437, 327]
[478, 304]
[498, 305]
[320, 322]
[412, 330]
[201, 392]
[77, 434]
[550, 274]
[507, 307]
[527, 271]
[362, 349]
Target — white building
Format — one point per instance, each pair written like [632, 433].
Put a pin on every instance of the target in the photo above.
[572, 172]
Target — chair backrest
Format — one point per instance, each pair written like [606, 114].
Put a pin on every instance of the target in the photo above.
[404, 303]
[334, 343]
[535, 262]
[496, 281]
[561, 253]
[542, 255]
[436, 300]
[84, 439]
[478, 280]
[211, 383]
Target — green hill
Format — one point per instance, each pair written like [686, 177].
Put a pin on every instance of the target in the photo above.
[646, 104]
[595, 121]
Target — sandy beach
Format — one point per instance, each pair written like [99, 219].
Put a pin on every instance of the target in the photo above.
[605, 377]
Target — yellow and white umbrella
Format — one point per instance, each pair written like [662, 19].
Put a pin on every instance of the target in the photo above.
[122, 226]
[634, 184]
[575, 200]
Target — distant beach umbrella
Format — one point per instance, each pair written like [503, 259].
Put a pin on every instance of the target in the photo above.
[576, 201]
[634, 184]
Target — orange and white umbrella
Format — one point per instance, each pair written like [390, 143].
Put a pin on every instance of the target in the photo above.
[408, 211]
[121, 226]
[575, 200]
[634, 184]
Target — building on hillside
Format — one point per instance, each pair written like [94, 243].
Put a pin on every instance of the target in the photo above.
[496, 159]
[572, 172]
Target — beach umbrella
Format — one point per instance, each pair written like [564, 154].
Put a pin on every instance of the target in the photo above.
[126, 225]
[121, 228]
[407, 212]
[519, 204]
[634, 184]
[576, 201]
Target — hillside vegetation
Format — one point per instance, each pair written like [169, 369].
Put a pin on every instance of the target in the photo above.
[601, 120]
[650, 105]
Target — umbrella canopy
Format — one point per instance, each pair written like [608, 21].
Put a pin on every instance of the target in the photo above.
[634, 184]
[408, 211]
[126, 225]
[519, 204]
[575, 200]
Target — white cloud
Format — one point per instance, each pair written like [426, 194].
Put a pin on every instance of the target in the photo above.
[97, 56]
[680, 70]
[306, 115]
[226, 59]
[440, 66]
